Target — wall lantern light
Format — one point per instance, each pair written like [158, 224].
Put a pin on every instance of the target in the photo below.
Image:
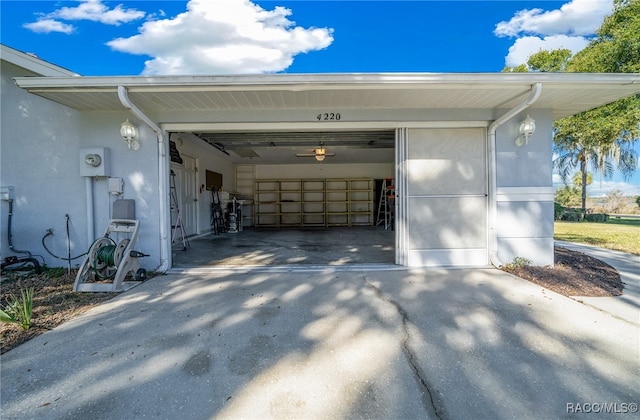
[527, 128]
[129, 133]
[320, 154]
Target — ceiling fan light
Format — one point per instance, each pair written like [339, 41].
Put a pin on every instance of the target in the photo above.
[320, 158]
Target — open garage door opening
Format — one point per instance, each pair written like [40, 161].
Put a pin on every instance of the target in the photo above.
[283, 198]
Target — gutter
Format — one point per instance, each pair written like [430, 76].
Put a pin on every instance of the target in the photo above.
[163, 177]
[536, 89]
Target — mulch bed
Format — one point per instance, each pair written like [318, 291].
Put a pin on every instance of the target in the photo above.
[573, 274]
[54, 302]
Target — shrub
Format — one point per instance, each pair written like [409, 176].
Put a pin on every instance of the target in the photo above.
[518, 262]
[558, 210]
[572, 215]
[596, 217]
[19, 310]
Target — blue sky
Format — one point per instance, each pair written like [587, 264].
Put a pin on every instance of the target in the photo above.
[95, 37]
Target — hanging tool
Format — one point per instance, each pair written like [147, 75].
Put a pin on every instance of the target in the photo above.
[178, 235]
[217, 216]
[386, 205]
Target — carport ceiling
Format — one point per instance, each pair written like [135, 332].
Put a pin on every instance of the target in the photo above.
[562, 93]
[372, 146]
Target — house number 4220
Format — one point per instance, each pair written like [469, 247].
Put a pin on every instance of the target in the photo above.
[328, 116]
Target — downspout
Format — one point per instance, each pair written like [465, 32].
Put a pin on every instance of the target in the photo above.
[163, 178]
[536, 89]
[88, 185]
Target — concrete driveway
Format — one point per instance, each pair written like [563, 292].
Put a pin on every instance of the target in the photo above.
[368, 342]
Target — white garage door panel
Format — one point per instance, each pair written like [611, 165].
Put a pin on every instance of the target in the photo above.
[447, 222]
[445, 175]
[447, 258]
[440, 176]
[447, 161]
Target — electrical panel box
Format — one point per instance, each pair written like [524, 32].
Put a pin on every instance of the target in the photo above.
[95, 162]
[116, 186]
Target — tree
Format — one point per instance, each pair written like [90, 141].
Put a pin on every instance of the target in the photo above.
[638, 200]
[577, 179]
[614, 201]
[568, 196]
[550, 61]
[602, 138]
[576, 151]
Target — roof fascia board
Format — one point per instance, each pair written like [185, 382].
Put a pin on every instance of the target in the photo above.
[33, 64]
[312, 126]
[330, 81]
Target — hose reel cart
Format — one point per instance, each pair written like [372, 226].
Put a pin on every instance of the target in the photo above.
[112, 257]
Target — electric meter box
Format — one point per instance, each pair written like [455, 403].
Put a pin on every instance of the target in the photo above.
[95, 162]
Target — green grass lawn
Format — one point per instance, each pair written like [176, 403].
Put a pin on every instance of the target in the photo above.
[619, 234]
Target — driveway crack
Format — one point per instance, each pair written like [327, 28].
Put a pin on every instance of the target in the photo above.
[433, 403]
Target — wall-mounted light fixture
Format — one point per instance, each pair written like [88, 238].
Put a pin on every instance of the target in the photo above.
[527, 128]
[129, 133]
[320, 154]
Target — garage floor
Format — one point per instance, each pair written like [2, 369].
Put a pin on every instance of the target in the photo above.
[263, 247]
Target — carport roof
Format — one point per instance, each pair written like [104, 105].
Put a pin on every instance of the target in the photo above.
[564, 93]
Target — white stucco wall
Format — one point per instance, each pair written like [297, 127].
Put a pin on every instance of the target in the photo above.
[41, 143]
[37, 137]
[525, 191]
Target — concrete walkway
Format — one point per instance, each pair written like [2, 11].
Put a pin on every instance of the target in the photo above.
[627, 306]
[369, 342]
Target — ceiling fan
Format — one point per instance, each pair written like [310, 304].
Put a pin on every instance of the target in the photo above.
[320, 153]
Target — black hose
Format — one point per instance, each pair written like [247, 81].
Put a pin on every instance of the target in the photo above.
[68, 246]
[50, 232]
[10, 236]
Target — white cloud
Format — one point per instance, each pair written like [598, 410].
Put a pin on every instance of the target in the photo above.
[524, 47]
[578, 17]
[92, 10]
[96, 11]
[45, 26]
[223, 37]
[567, 27]
[602, 188]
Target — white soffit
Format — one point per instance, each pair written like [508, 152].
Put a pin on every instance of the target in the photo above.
[564, 93]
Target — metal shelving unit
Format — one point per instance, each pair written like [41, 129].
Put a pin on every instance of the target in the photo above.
[313, 202]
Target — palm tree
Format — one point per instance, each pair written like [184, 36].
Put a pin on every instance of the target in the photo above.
[575, 153]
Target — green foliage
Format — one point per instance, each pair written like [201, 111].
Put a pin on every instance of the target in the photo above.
[572, 215]
[596, 217]
[577, 179]
[518, 262]
[19, 310]
[601, 139]
[53, 272]
[638, 200]
[568, 196]
[616, 49]
[558, 210]
[550, 61]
